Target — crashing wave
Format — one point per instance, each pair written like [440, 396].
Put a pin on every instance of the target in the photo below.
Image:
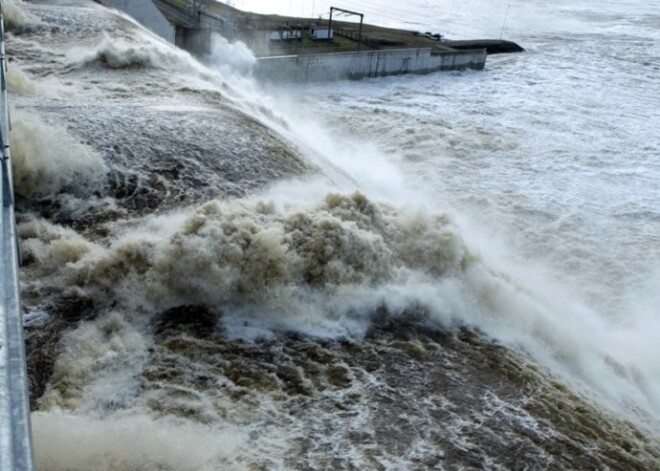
[47, 160]
[239, 251]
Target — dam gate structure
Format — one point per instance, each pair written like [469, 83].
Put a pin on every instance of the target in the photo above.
[366, 64]
[369, 51]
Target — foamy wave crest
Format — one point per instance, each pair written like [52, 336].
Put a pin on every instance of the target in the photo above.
[98, 354]
[47, 160]
[244, 252]
[18, 82]
[120, 53]
[43, 236]
[15, 18]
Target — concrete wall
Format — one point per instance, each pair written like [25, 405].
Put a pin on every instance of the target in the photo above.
[358, 65]
[146, 13]
[195, 41]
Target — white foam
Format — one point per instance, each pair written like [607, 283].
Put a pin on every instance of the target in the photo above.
[97, 365]
[14, 15]
[19, 82]
[120, 53]
[46, 159]
[133, 440]
[230, 57]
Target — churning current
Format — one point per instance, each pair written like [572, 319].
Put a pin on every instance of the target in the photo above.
[452, 271]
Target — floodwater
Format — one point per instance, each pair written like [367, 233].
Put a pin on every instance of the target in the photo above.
[448, 271]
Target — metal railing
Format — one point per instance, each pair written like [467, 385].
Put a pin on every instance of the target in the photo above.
[15, 429]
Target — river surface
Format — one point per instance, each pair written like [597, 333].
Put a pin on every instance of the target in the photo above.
[451, 271]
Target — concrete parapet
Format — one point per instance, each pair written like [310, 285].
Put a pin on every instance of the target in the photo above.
[358, 65]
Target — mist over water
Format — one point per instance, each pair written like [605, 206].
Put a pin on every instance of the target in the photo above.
[539, 196]
[545, 161]
[222, 275]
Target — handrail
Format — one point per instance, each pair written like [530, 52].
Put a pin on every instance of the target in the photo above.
[15, 429]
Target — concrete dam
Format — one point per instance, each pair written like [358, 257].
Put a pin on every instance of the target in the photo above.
[296, 50]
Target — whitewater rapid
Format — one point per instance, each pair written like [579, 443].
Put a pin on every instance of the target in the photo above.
[219, 275]
[545, 160]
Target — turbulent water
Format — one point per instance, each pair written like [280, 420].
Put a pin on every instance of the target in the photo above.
[452, 271]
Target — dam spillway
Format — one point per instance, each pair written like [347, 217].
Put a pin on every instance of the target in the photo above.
[384, 51]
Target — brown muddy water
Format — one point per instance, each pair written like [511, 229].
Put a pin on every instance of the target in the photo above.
[182, 314]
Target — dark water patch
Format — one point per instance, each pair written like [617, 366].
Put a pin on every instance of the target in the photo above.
[42, 346]
[408, 396]
[413, 395]
[195, 320]
[88, 216]
[44, 340]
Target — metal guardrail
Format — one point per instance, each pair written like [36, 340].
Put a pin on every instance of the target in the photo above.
[15, 428]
